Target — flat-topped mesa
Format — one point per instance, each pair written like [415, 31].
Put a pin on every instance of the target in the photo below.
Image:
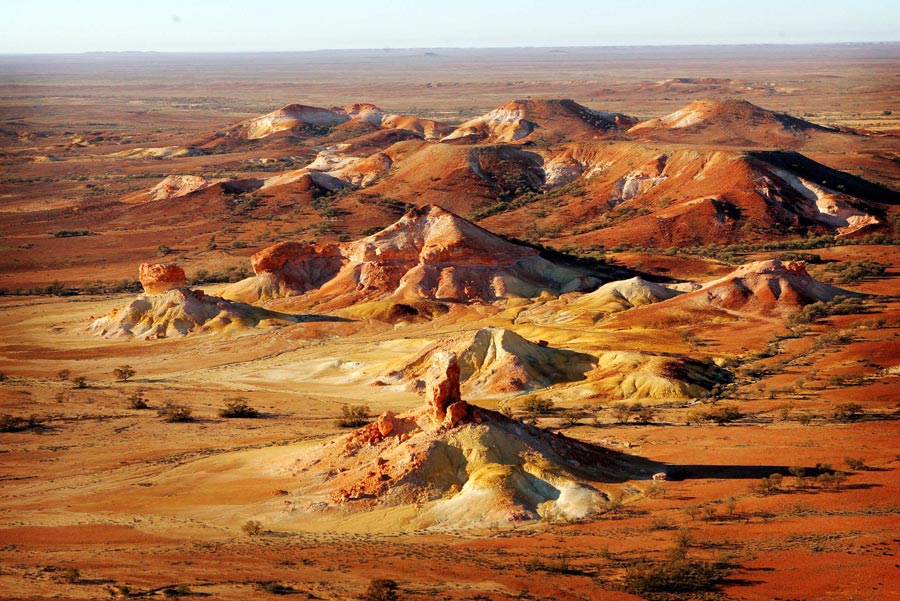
[442, 386]
[159, 278]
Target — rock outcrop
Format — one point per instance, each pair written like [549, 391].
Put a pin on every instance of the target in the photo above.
[429, 254]
[159, 278]
[497, 361]
[168, 308]
[468, 469]
[442, 386]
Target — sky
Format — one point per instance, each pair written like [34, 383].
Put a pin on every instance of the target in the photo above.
[58, 26]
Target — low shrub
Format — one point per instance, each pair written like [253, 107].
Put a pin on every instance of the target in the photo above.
[353, 416]
[172, 412]
[382, 589]
[136, 400]
[722, 414]
[252, 527]
[14, 423]
[124, 372]
[238, 407]
[275, 588]
[847, 412]
[677, 575]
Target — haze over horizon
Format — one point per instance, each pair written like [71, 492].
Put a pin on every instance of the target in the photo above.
[56, 26]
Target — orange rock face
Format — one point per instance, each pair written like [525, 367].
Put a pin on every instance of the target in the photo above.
[299, 266]
[158, 278]
[442, 388]
[386, 423]
[456, 413]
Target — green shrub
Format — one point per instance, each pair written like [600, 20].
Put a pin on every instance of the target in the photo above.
[722, 414]
[275, 588]
[767, 486]
[571, 417]
[382, 589]
[638, 412]
[238, 407]
[71, 233]
[353, 416]
[847, 412]
[851, 272]
[14, 423]
[252, 527]
[136, 400]
[537, 406]
[172, 412]
[173, 592]
[124, 372]
[677, 575]
[856, 463]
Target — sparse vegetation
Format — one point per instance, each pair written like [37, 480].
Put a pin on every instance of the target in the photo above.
[173, 412]
[856, 463]
[382, 589]
[80, 382]
[677, 575]
[72, 233]
[636, 412]
[353, 416]
[234, 273]
[852, 272]
[136, 400]
[13, 423]
[572, 417]
[275, 588]
[539, 406]
[173, 592]
[720, 414]
[124, 372]
[238, 407]
[252, 528]
[831, 480]
[819, 310]
[768, 486]
[847, 412]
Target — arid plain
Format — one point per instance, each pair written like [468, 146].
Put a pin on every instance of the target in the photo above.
[663, 280]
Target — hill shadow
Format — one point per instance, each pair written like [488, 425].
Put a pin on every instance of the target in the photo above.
[847, 183]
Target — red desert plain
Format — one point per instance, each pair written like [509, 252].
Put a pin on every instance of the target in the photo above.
[571, 323]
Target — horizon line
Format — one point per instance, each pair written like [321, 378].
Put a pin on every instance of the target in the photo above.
[404, 48]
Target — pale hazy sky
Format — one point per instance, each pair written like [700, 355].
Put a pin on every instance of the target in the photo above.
[283, 25]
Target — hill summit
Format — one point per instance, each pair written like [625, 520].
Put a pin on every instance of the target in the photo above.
[729, 121]
[429, 254]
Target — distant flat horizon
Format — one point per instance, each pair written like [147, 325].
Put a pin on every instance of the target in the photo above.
[455, 48]
[213, 26]
[452, 48]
